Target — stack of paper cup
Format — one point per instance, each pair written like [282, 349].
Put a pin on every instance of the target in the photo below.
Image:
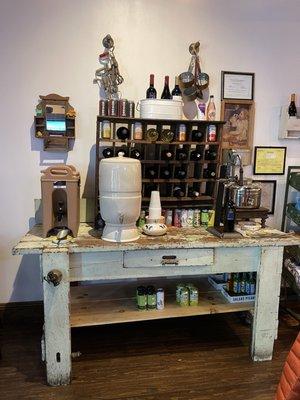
[155, 205]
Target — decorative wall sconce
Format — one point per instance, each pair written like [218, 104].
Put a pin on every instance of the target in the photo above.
[55, 122]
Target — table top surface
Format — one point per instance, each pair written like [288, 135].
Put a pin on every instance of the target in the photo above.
[89, 240]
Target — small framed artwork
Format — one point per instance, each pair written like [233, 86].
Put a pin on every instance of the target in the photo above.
[268, 194]
[269, 160]
[237, 85]
[237, 132]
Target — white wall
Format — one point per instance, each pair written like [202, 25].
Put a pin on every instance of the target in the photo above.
[53, 46]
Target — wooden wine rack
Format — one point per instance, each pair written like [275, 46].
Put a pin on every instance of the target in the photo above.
[151, 157]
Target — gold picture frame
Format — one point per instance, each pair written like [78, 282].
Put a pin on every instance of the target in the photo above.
[237, 132]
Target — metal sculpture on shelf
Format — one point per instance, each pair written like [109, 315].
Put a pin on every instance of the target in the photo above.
[108, 76]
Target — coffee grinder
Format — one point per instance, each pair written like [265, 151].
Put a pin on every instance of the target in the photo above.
[60, 199]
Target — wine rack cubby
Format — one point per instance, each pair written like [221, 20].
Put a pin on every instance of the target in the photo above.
[158, 173]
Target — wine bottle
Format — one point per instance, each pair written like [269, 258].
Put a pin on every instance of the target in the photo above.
[229, 216]
[167, 155]
[209, 174]
[149, 188]
[135, 154]
[166, 136]
[152, 172]
[197, 136]
[196, 155]
[181, 154]
[193, 193]
[176, 92]
[178, 192]
[292, 107]
[151, 91]
[108, 152]
[123, 133]
[211, 109]
[166, 92]
[165, 173]
[180, 173]
[122, 150]
[210, 155]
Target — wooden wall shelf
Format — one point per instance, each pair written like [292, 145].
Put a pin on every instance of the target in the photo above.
[197, 171]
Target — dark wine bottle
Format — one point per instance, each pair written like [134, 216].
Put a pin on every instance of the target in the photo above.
[209, 174]
[108, 152]
[167, 155]
[210, 155]
[151, 91]
[292, 107]
[122, 150]
[165, 173]
[181, 154]
[135, 154]
[197, 136]
[166, 92]
[180, 173]
[229, 216]
[176, 92]
[196, 155]
[152, 172]
[193, 193]
[123, 133]
[148, 189]
[178, 191]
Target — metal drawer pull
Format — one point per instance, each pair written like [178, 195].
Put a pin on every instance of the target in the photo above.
[169, 260]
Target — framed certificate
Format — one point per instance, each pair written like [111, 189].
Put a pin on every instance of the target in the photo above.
[237, 85]
[269, 160]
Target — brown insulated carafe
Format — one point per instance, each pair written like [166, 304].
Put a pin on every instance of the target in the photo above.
[60, 198]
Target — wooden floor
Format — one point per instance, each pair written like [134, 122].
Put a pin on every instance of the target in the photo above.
[183, 358]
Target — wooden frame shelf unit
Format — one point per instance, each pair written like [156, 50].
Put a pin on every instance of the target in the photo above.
[151, 157]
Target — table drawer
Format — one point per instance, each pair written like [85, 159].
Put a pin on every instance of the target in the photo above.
[168, 258]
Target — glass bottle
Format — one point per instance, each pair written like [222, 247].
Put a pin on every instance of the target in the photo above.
[151, 91]
[211, 109]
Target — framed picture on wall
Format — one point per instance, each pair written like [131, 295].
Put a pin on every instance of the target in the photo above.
[268, 194]
[237, 85]
[237, 133]
[269, 160]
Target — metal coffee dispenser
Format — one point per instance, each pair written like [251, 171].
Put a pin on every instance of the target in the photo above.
[60, 199]
[245, 195]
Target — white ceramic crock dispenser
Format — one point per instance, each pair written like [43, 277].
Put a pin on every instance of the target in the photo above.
[120, 184]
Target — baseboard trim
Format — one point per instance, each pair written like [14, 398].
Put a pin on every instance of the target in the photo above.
[21, 311]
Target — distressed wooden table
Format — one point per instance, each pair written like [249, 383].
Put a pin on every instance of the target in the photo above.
[192, 253]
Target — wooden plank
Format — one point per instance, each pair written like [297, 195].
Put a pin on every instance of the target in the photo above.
[57, 324]
[115, 303]
[265, 320]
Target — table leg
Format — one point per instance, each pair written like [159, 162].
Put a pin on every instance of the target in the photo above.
[265, 320]
[57, 323]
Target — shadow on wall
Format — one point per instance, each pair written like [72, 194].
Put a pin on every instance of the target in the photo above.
[89, 186]
[27, 284]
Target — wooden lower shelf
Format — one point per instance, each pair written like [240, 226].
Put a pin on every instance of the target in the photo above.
[112, 303]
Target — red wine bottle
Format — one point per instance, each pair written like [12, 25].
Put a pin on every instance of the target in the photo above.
[180, 173]
[165, 173]
[123, 133]
[292, 107]
[209, 174]
[210, 155]
[151, 91]
[197, 136]
[178, 192]
[176, 92]
[193, 193]
[167, 155]
[135, 154]
[181, 154]
[196, 155]
[122, 150]
[152, 172]
[166, 92]
[108, 152]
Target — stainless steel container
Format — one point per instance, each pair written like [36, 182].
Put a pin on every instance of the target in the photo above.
[245, 196]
